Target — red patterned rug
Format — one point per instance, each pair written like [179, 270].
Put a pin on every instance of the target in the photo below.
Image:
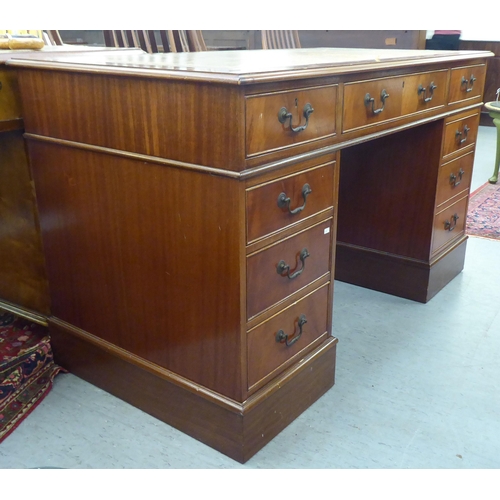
[483, 219]
[27, 369]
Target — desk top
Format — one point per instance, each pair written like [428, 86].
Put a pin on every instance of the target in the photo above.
[246, 66]
[56, 50]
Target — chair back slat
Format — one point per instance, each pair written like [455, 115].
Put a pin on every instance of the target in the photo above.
[168, 40]
[129, 38]
[280, 39]
[54, 38]
[182, 41]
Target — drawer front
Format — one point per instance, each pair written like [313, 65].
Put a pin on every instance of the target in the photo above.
[424, 91]
[365, 104]
[268, 127]
[449, 224]
[287, 335]
[10, 100]
[281, 203]
[460, 133]
[308, 256]
[454, 177]
[467, 83]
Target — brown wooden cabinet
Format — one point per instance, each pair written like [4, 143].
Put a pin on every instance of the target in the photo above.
[23, 277]
[189, 206]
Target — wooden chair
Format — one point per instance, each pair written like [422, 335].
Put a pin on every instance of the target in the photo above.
[280, 39]
[182, 41]
[142, 39]
[53, 37]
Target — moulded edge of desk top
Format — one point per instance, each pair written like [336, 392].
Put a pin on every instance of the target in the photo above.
[245, 66]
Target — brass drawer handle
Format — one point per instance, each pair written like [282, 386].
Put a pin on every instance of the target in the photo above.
[281, 336]
[368, 99]
[455, 180]
[467, 82]
[423, 90]
[283, 267]
[464, 133]
[450, 226]
[284, 201]
[284, 115]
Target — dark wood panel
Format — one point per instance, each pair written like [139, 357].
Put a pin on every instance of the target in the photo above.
[10, 100]
[418, 281]
[133, 260]
[23, 279]
[386, 194]
[153, 117]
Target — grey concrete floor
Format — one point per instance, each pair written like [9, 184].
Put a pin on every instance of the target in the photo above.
[416, 388]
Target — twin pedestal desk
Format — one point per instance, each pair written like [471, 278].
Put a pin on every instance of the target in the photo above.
[194, 209]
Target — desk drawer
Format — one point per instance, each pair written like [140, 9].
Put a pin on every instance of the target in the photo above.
[308, 256]
[449, 224]
[287, 335]
[466, 83]
[454, 177]
[267, 129]
[286, 201]
[424, 91]
[10, 100]
[365, 103]
[460, 132]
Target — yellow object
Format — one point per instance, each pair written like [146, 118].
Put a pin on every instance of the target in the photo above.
[21, 39]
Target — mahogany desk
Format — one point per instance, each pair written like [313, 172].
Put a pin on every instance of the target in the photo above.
[195, 208]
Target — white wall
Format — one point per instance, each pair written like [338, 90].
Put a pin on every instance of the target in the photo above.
[481, 33]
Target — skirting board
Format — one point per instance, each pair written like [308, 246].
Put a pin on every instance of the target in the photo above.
[396, 275]
[238, 430]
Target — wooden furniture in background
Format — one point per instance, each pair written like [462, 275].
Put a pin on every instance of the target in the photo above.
[189, 216]
[182, 41]
[23, 278]
[141, 39]
[492, 73]
[149, 41]
[252, 39]
[54, 37]
[382, 39]
[280, 39]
